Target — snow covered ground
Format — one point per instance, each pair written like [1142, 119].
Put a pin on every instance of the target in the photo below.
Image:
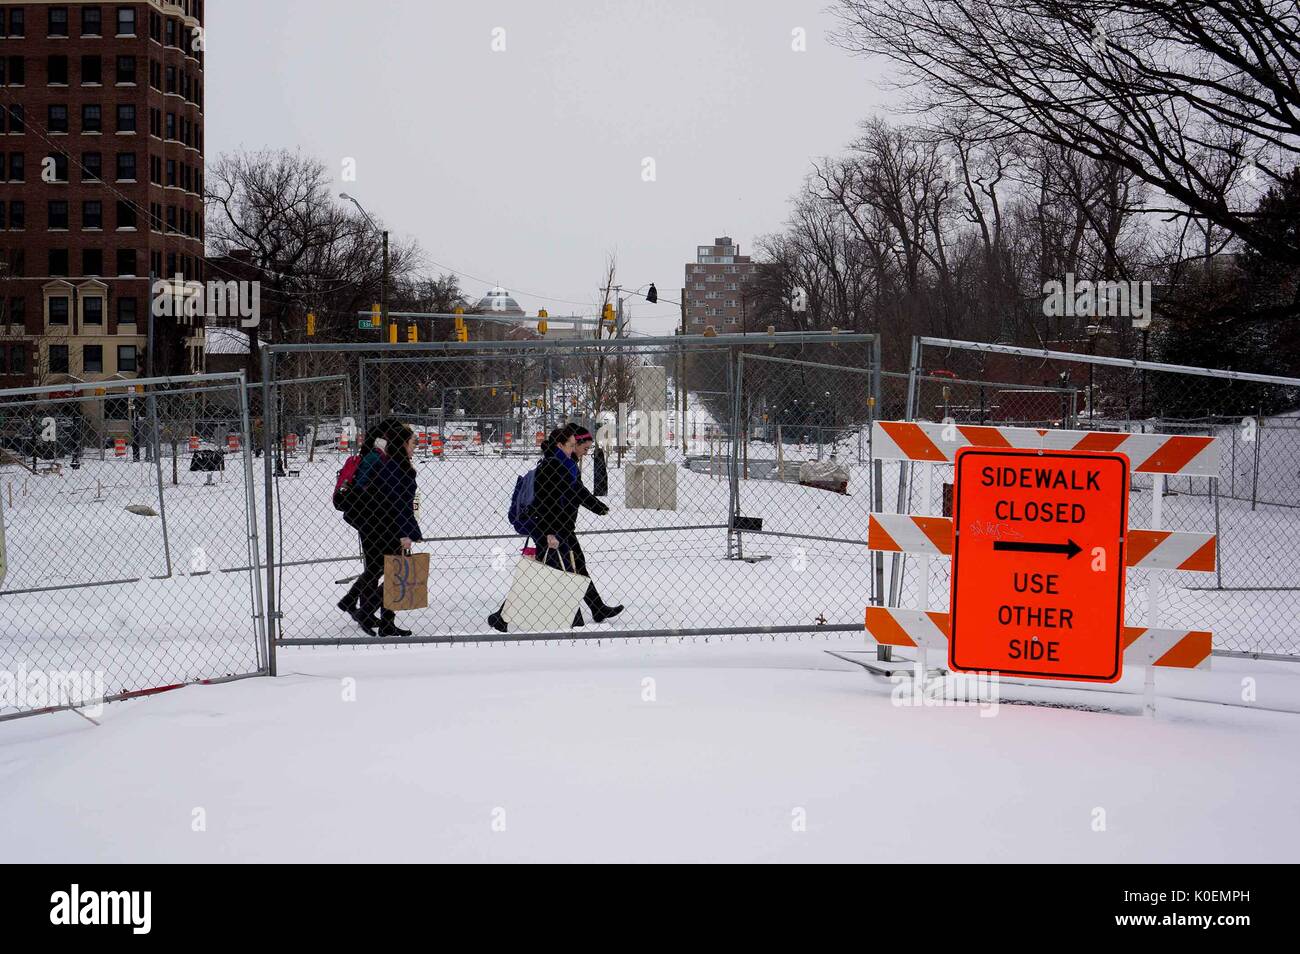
[735, 750]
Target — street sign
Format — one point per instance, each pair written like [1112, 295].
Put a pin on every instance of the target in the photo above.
[1038, 563]
[365, 324]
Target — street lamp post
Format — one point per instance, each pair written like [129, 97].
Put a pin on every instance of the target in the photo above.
[383, 287]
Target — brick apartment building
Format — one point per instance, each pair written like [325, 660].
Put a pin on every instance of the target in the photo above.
[101, 182]
[716, 286]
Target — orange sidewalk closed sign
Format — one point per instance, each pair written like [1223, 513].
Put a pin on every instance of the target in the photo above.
[1038, 563]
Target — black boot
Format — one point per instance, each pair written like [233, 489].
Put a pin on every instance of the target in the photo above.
[497, 622]
[388, 625]
[599, 611]
[577, 619]
[603, 612]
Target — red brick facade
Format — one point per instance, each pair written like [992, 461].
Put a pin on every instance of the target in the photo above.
[716, 286]
[116, 87]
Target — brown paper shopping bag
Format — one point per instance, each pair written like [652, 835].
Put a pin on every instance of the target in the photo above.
[406, 581]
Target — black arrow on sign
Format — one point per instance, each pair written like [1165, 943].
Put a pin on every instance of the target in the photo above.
[1069, 549]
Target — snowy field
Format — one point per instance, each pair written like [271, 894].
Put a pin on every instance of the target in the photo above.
[88, 585]
[727, 751]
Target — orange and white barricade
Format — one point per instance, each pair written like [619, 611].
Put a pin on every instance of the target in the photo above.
[291, 442]
[924, 444]
[435, 444]
[232, 442]
[343, 442]
[119, 447]
[507, 439]
[458, 441]
[194, 442]
[422, 442]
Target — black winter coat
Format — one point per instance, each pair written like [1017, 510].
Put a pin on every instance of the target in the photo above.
[385, 503]
[557, 495]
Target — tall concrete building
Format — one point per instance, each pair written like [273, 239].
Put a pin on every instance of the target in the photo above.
[101, 184]
[715, 287]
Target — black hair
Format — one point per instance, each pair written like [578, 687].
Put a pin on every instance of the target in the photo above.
[561, 435]
[395, 434]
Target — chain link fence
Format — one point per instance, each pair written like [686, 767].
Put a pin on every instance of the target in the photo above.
[681, 456]
[129, 557]
[1251, 602]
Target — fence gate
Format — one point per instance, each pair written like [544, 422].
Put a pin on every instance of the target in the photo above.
[665, 411]
[129, 558]
[1251, 599]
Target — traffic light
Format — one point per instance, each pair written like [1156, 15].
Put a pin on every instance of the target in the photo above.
[492, 392]
[311, 323]
[376, 316]
[462, 333]
[392, 334]
[542, 324]
[412, 334]
[608, 313]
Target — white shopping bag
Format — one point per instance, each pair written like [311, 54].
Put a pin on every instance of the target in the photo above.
[543, 598]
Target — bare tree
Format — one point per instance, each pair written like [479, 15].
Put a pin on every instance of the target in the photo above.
[1194, 99]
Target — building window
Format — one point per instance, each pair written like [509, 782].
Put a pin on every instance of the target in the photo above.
[18, 357]
[171, 79]
[56, 70]
[126, 21]
[92, 263]
[125, 117]
[92, 71]
[171, 125]
[58, 122]
[17, 22]
[126, 69]
[91, 166]
[92, 356]
[58, 21]
[126, 218]
[126, 167]
[126, 305]
[59, 354]
[17, 71]
[17, 167]
[59, 262]
[126, 357]
[58, 312]
[92, 21]
[59, 216]
[17, 120]
[92, 118]
[17, 215]
[92, 217]
[18, 311]
[171, 32]
[126, 262]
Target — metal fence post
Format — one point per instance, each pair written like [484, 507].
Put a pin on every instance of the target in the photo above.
[251, 498]
[268, 429]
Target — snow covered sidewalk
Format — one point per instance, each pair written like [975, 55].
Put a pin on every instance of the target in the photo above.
[727, 751]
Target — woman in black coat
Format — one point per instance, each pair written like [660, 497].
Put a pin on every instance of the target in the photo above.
[384, 506]
[558, 494]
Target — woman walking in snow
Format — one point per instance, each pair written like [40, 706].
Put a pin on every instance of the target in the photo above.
[383, 512]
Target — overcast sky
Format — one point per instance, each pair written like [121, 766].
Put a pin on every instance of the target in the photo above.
[525, 167]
